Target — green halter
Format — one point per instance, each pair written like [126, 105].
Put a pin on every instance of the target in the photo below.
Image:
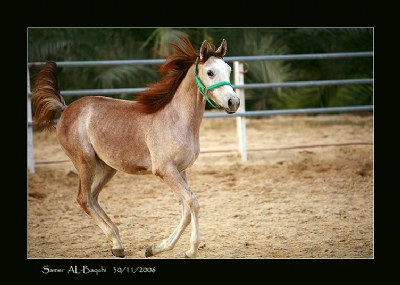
[203, 90]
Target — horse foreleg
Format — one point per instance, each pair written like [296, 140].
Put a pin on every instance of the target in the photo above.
[169, 243]
[194, 214]
[190, 211]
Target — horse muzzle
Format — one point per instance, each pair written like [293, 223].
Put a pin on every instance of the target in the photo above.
[233, 105]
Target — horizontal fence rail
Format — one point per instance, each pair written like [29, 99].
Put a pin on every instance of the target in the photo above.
[116, 91]
[228, 59]
[238, 85]
[282, 112]
[292, 111]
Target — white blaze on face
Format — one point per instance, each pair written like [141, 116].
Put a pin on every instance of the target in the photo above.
[213, 71]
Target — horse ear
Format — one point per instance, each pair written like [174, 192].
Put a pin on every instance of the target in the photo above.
[222, 48]
[204, 49]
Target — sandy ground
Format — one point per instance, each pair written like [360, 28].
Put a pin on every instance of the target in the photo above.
[306, 193]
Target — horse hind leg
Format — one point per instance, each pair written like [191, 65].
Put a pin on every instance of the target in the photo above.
[104, 173]
[93, 175]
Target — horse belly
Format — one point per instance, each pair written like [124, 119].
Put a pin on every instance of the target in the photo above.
[122, 152]
[128, 162]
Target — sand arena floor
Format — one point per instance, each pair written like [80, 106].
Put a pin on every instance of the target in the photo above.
[307, 193]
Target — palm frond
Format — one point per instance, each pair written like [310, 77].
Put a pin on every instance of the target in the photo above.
[124, 76]
[161, 38]
[354, 95]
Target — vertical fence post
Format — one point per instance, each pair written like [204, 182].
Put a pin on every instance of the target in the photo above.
[31, 161]
[240, 121]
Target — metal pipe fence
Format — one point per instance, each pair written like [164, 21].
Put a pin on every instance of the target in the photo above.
[239, 85]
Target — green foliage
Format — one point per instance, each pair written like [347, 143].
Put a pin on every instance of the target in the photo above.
[77, 44]
[327, 41]
[259, 42]
[161, 39]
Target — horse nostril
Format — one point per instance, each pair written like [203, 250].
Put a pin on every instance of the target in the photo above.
[230, 103]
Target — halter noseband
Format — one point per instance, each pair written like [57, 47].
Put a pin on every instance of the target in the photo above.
[203, 90]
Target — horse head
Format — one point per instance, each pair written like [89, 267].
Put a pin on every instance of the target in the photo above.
[213, 78]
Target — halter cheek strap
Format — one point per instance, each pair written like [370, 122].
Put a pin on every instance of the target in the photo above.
[203, 90]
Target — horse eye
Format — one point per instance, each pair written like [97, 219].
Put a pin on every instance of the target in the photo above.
[210, 73]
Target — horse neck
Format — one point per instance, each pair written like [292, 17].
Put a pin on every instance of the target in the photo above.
[187, 102]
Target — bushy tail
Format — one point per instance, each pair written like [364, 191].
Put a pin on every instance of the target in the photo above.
[46, 97]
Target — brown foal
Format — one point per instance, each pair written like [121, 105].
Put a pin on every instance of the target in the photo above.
[157, 133]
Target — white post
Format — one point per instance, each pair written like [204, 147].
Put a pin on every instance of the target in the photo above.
[31, 161]
[240, 121]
